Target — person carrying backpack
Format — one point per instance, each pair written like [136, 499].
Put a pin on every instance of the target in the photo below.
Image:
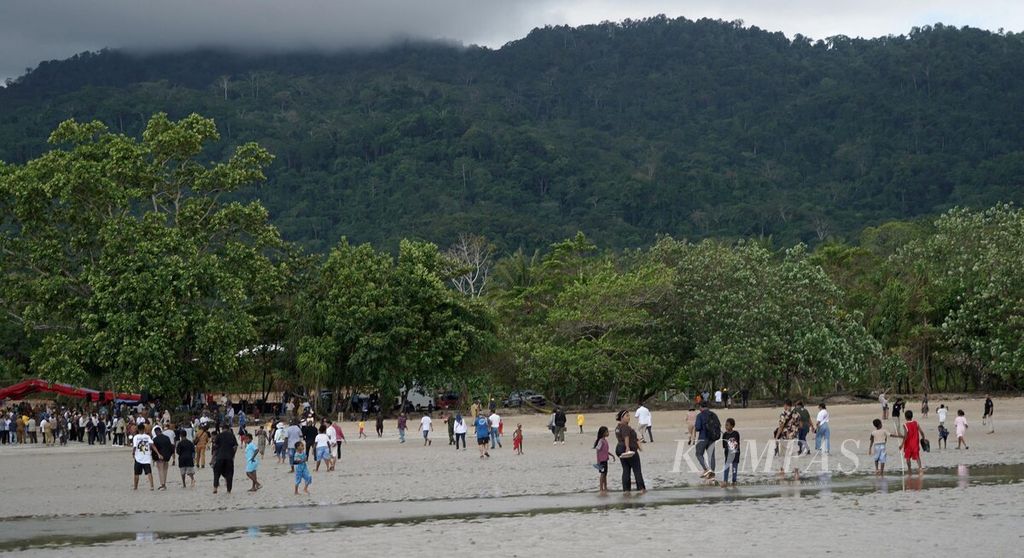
[709, 430]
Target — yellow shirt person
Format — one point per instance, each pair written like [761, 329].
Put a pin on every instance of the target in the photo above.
[579, 422]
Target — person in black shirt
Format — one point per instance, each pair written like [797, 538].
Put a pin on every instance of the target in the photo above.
[224, 447]
[987, 416]
[186, 451]
[309, 433]
[163, 451]
[731, 445]
[628, 451]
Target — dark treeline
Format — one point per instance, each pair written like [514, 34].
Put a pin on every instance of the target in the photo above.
[696, 129]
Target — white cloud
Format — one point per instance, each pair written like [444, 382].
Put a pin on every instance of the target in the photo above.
[36, 30]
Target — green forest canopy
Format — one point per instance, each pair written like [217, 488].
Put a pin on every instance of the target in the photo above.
[697, 129]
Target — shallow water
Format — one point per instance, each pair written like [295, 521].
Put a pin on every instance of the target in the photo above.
[83, 530]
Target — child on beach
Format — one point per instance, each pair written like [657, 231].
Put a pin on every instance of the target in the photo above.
[911, 444]
[517, 440]
[580, 419]
[252, 461]
[603, 454]
[961, 429]
[942, 411]
[691, 418]
[362, 429]
[323, 448]
[877, 444]
[943, 436]
[301, 469]
[731, 445]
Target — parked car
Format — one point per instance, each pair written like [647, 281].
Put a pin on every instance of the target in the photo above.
[417, 399]
[517, 398]
[448, 400]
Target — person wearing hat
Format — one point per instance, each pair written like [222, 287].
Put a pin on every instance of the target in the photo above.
[280, 436]
[628, 452]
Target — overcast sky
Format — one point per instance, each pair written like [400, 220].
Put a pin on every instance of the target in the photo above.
[36, 30]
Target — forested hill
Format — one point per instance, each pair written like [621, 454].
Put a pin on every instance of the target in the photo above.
[693, 128]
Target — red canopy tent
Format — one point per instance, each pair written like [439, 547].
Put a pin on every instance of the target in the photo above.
[21, 389]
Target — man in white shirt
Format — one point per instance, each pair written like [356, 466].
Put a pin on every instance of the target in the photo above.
[426, 426]
[942, 412]
[643, 418]
[495, 421]
[142, 452]
[718, 398]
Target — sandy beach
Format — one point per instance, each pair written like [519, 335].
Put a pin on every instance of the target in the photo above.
[96, 481]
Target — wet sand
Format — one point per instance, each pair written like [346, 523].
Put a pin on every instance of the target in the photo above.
[95, 480]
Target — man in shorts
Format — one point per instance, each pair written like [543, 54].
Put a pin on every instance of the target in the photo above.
[142, 451]
[483, 434]
[426, 425]
[186, 451]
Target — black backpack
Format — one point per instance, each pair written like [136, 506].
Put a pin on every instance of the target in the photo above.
[712, 427]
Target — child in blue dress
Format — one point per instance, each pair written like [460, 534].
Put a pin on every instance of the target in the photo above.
[301, 469]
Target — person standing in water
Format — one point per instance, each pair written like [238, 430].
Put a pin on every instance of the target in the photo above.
[628, 451]
[987, 417]
[911, 444]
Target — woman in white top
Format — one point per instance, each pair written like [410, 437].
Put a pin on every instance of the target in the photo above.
[460, 431]
[821, 431]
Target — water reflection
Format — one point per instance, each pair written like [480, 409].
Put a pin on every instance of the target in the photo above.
[963, 476]
[145, 536]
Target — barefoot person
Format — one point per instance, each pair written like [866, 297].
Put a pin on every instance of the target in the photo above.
[603, 454]
[988, 416]
[252, 461]
[224, 447]
[961, 429]
[708, 430]
[628, 451]
[142, 446]
[298, 461]
[911, 444]
[163, 450]
[876, 443]
[186, 452]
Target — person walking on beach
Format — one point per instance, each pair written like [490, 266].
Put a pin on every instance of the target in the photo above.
[483, 434]
[924, 406]
[142, 452]
[309, 433]
[449, 421]
[805, 427]
[495, 421]
[459, 428]
[559, 426]
[517, 440]
[961, 429]
[708, 429]
[186, 452]
[987, 416]
[299, 464]
[643, 418]
[293, 434]
[897, 408]
[580, 419]
[163, 450]
[402, 425]
[885, 405]
[380, 424]
[627, 449]
[252, 461]
[691, 419]
[911, 444]
[788, 428]
[426, 426]
[821, 430]
[876, 443]
[731, 448]
[603, 454]
[322, 453]
[224, 447]
[202, 439]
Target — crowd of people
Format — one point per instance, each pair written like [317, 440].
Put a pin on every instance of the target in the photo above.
[300, 440]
